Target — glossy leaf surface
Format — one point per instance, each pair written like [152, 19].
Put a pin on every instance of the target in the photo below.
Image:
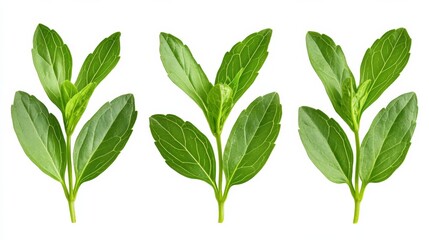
[76, 107]
[330, 64]
[103, 137]
[183, 69]
[220, 103]
[252, 139]
[40, 135]
[101, 62]
[184, 148]
[53, 62]
[326, 144]
[386, 144]
[68, 90]
[248, 57]
[384, 61]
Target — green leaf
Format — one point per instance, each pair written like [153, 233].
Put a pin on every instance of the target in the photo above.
[219, 105]
[248, 57]
[184, 148]
[101, 62]
[330, 64]
[386, 144]
[40, 135]
[183, 70]
[348, 95]
[53, 62]
[252, 139]
[326, 144]
[68, 90]
[384, 61]
[76, 107]
[103, 137]
[359, 99]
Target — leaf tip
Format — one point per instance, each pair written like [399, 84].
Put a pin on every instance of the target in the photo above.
[129, 98]
[41, 26]
[115, 36]
[168, 39]
[312, 34]
[303, 109]
[154, 117]
[266, 31]
[401, 30]
[275, 96]
[165, 36]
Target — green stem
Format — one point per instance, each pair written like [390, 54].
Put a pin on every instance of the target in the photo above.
[66, 191]
[219, 197]
[358, 194]
[71, 196]
[221, 212]
[72, 212]
[357, 142]
[357, 209]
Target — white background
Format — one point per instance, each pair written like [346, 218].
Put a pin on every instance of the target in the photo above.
[139, 196]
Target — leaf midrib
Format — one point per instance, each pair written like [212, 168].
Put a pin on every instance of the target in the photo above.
[39, 137]
[329, 126]
[184, 147]
[388, 133]
[101, 64]
[248, 62]
[375, 80]
[79, 178]
[247, 145]
[51, 59]
[193, 89]
[44, 80]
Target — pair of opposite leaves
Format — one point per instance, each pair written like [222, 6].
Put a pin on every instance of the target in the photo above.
[186, 149]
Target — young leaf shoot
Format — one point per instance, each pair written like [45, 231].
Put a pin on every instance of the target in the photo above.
[386, 144]
[186, 149]
[39, 132]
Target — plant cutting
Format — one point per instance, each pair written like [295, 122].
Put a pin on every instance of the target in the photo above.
[388, 139]
[186, 149]
[103, 136]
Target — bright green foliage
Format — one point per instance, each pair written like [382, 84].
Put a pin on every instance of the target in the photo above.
[220, 103]
[327, 145]
[53, 62]
[388, 139]
[252, 138]
[68, 90]
[244, 60]
[40, 135]
[99, 63]
[386, 144]
[76, 106]
[101, 139]
[384, 61]
[183, 70]
[330, 64]
[186, 149]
